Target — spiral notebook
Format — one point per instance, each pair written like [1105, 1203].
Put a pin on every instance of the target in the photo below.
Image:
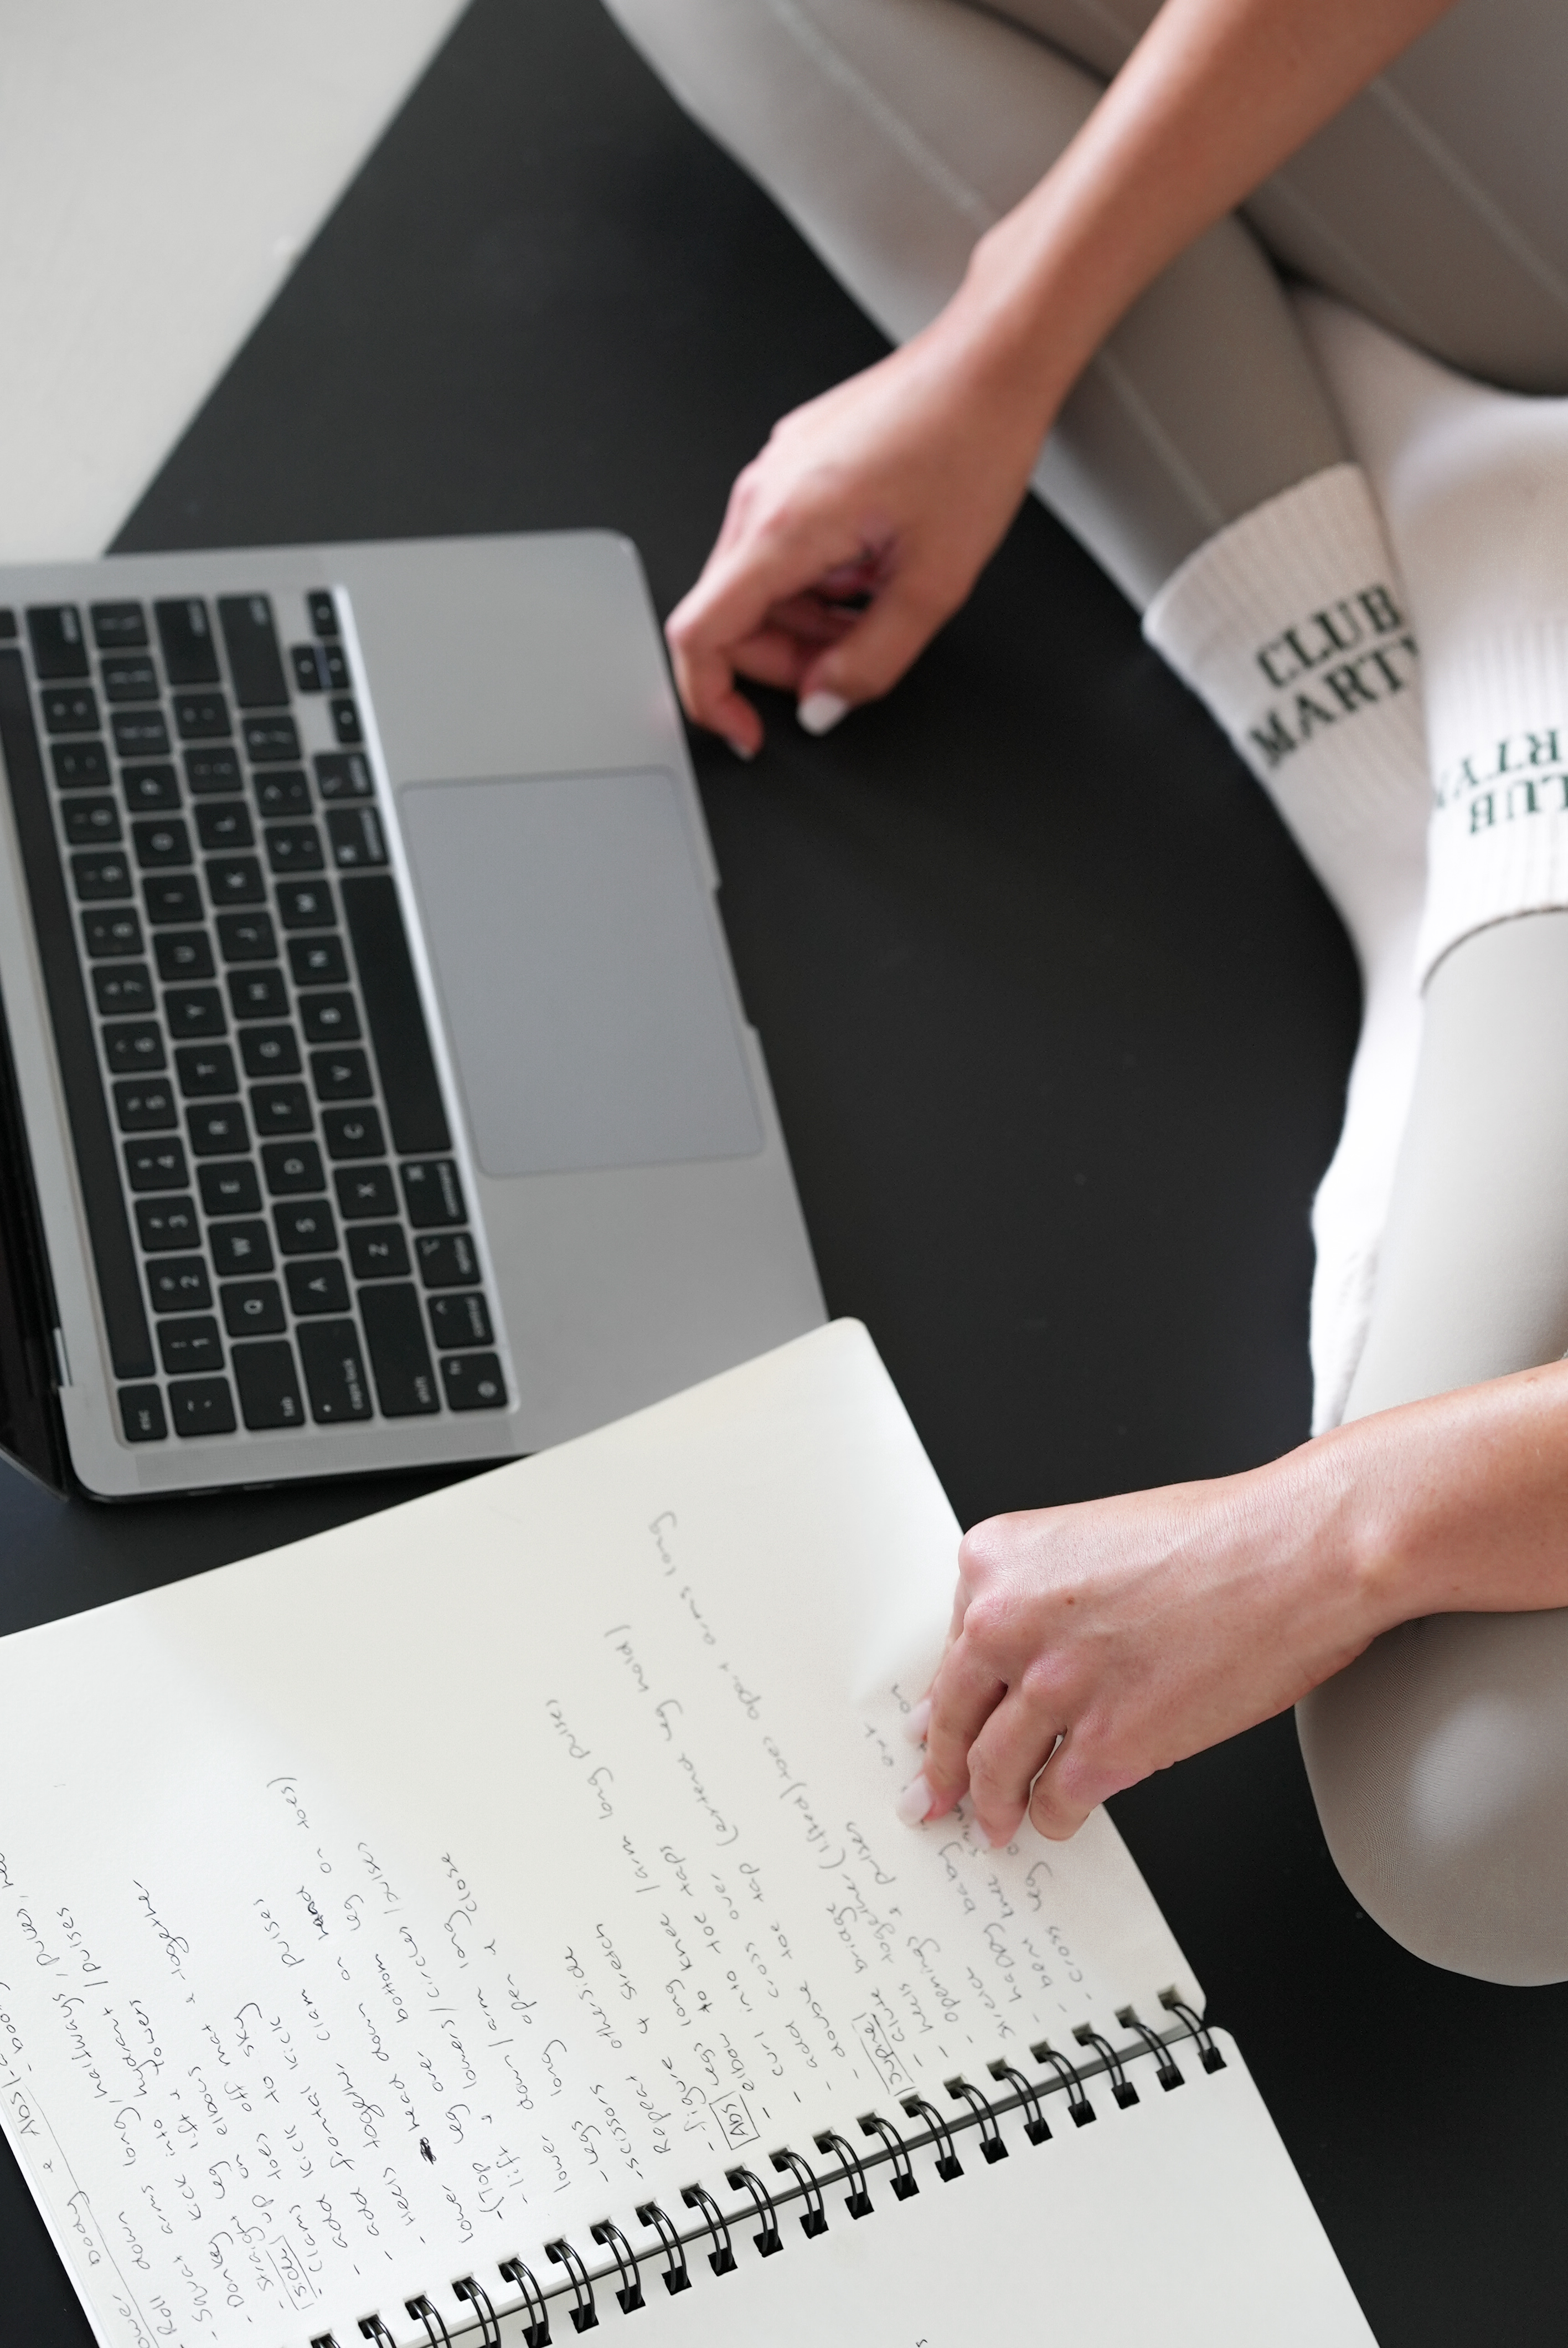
[488, 1923]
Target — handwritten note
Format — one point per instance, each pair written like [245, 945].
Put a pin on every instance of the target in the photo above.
[381, 1910]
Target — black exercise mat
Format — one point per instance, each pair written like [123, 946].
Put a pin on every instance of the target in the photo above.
[1058, 1022]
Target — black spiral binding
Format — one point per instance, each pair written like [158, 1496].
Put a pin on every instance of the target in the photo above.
[905, 2186]
[1024, 2099]
[676, 2277]
[767, 2241]
[583, 2312]
[948, 2164]
[857, 2201]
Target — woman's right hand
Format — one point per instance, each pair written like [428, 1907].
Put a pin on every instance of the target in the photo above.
[860, 527]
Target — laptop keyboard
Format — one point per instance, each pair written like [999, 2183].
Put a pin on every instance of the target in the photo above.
[277, 1219]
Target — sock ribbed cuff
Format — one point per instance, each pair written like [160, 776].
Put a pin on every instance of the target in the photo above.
[1290, 625]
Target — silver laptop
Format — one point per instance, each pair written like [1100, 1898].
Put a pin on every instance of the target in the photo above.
[379, 1095]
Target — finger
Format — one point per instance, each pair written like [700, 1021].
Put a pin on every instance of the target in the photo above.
[873, 654]
[964, 1695]
[706, 686]
[1012, 1748]
[1064, 1795]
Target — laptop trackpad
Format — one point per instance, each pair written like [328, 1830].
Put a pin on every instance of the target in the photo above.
[575, 952]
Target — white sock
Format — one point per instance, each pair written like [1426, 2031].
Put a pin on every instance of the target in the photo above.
[1474, 484]
[1290, 625]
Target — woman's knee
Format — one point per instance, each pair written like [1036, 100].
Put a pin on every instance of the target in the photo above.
[1439, 1762]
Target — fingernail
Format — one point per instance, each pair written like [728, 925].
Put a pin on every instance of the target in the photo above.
[918, 1721]
[819, 712]
[740, 749]
[915, 1801]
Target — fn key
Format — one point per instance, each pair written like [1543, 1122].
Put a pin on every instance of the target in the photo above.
[399, 1356]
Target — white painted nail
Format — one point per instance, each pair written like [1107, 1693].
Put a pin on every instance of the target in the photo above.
[918, 1721]
[915, 1801]
[819, 712]
[740, 749]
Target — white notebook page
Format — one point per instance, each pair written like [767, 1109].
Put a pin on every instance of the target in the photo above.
[379, 1910]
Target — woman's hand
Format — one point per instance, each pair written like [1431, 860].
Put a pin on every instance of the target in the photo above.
[859, 529]
[1112, 1639]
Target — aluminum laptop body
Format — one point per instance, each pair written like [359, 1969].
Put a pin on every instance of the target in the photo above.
[379, 1094]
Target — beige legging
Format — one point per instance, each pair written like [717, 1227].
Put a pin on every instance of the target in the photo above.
[894, 132]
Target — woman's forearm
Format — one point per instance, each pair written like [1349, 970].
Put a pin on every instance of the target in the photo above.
[1216, 94]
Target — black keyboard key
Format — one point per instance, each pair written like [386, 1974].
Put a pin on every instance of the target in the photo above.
[322, 611]
[293, 1168]
[310, 669]
[346, 727]
[144, 1105]
[257, 993]
[343, 1077]
[399, 1356]
[204, 1070]
[247, 937]
[208, 771]
[70, 709]
[218, 1132]
[202, 717]
[473, 1382]
[185, 631]
[174, 899]
[281, 1108]
[102, 877]
[366, 1190]
[250, 641]
[190, 1346]
[294, 848]
[240, 1251]
[150, 790]
[318, 961]
[224, 824]
[168, 1225]
[269, 1051]
[446, 1260]
[129, 676]
[55, 633]
[7, 625]
[282, 791]
[329, 1019]
[118, 627]
[91, 822]
[201, 1407]
[79, 763]
[156, 1165]
[252, 1308]
[235, 881]
[271, 741]
[433, 1193]
[306, 905]
[193, 1011]
[161, 842]
[335, 1372]
[318, 1288]
[183, 953]
[179, 1285]
[134, 1047]
[122, 988]
[335, 664]
[141, 1415]
[230, 1189]
[354, 1133]
[356, 837]
[462, 1319]
[396, 1015]
[344, 775]
[107, 935]
[305, 1227]
[268, 1389]
[379, 1252]
[139, 733]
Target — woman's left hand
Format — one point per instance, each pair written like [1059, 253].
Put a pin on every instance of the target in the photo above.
[1092, 1644]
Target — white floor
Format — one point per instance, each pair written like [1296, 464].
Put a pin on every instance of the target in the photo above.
[161, 165]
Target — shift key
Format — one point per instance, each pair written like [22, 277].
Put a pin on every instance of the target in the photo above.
[399, 1356]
